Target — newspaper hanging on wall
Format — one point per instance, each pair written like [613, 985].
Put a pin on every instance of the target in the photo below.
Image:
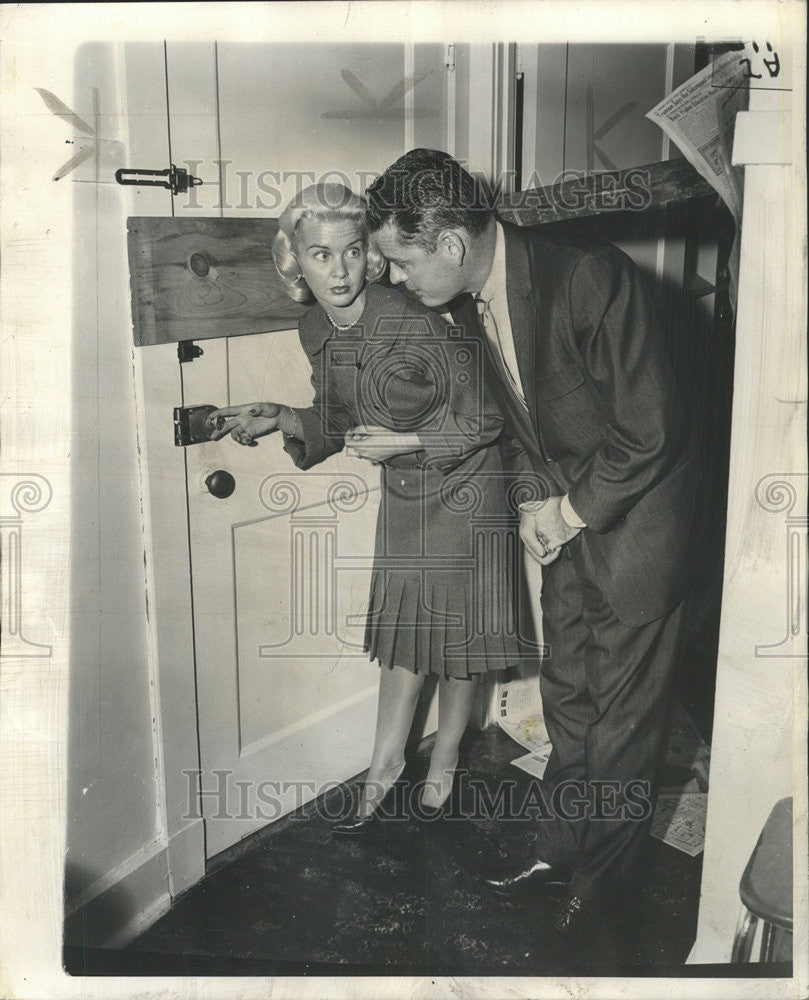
[699, 117]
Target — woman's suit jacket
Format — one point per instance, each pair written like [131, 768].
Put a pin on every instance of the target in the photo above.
[439, 599]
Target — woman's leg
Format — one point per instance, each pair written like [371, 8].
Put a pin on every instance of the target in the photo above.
[456, 697]
[399, 691]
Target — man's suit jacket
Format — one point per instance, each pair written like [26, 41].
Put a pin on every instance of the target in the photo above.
[604, 418]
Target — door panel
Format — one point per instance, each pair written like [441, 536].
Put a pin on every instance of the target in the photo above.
[430, 98]
[609, 90]
[278, 681]
[291, 114]
[298, 635]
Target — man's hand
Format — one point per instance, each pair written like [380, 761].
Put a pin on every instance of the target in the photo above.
[246, 422]
[378, 443]
[543, 530]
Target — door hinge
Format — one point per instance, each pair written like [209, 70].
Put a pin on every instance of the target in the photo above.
[449, 57]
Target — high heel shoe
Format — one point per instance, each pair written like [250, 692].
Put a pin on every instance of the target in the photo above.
[359, 824]
[449, 807]
[354, 824]
[430, 814]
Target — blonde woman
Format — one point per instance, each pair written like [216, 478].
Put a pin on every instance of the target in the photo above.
[398, 386]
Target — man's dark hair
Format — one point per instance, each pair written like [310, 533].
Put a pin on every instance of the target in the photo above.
[426, 191]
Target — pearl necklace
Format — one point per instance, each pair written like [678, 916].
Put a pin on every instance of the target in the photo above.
[338, 326]
[349, 326]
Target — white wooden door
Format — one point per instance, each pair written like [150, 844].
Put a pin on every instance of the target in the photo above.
[280, 569]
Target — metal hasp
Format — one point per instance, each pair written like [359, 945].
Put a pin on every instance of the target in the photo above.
[178, 179]
[190, 426]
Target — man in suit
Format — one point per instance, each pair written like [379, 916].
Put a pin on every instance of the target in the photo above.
[577, 364]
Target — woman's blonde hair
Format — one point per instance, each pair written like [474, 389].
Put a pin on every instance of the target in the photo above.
[326, 203]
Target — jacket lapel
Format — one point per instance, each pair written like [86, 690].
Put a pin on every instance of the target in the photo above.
[465, 313]
[380, 329]
[522, 309]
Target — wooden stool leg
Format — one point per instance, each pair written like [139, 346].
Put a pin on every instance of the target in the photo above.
[745, 932]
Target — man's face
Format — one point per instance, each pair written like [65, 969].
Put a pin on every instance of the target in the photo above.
[435, 277]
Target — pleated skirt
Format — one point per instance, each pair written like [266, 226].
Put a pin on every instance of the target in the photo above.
[445, 569]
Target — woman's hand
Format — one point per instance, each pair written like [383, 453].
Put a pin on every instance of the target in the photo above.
[379, 443]
[250, 420]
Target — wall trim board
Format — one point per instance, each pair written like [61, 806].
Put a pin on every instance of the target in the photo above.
[122, 904]
[105, 882]
[119, 905]
[140, 923]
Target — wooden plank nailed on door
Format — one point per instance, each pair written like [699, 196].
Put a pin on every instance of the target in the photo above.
[637, 188]
[194, 279]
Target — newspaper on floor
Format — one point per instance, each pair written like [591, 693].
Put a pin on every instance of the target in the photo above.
[679, 821]
[679, 818]
[699, 117]
[519, 714]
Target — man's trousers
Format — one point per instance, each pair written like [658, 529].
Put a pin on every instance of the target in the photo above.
[607, 693]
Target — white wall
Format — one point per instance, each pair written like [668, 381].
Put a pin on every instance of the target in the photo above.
[113, 822]
[77, 711]
[759, 734]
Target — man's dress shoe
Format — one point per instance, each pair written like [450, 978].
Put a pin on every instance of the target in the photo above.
[510, 882]
[579, 921]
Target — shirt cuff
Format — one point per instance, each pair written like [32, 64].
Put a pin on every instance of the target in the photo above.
[570, 517]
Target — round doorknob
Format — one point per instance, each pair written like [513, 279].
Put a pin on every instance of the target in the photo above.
[220, 484]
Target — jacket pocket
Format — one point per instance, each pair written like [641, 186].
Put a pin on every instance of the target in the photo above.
[559, 383]
[665, 499]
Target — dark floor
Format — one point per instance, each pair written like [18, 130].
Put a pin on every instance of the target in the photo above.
[401, 900]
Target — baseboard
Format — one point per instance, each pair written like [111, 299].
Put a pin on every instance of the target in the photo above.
[116, 908]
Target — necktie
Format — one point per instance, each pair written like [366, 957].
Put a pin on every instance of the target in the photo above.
[493, 336]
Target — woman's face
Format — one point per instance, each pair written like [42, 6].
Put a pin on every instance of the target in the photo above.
[332, 259]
